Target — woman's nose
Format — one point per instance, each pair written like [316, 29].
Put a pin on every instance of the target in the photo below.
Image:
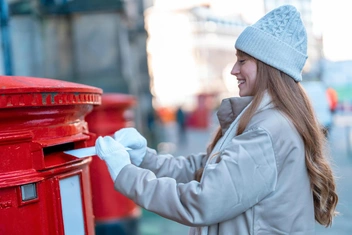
[235, 69]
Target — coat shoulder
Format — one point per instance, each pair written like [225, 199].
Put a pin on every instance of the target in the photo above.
[273, 121]
[284, 136]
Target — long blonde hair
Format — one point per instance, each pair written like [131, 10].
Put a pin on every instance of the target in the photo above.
[290, 98]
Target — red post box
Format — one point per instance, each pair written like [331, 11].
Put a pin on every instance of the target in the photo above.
[114, 213]
[42, 190]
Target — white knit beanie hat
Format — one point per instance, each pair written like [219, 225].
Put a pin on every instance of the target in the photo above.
[278, 39]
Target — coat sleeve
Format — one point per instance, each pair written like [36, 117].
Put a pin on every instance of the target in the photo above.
[241, 175]
[182, 169]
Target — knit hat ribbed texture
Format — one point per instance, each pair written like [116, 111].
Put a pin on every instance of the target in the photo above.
[278, 39]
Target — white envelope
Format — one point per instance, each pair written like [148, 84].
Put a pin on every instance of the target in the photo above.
[84, 152]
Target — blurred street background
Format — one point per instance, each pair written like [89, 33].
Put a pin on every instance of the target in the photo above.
[174, 58]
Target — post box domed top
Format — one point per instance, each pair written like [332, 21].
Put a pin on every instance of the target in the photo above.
[19, 91]
[53, 111]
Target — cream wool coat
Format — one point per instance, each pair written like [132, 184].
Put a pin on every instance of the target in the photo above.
[255, 183]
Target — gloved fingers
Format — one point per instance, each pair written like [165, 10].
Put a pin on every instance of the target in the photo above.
[103, 142]
[120, 135]
[106, 141]
[130, 137]
[125, 133]
[107, 147]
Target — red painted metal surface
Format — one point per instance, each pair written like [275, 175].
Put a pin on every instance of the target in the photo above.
[40, 118]
[114, 114]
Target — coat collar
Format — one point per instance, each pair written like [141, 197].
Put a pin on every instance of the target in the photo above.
[231, 108]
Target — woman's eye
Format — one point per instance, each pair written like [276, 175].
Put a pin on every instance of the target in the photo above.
[242, 61]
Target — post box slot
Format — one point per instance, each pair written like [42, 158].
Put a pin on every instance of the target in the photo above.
[54, 156]
[58, 148]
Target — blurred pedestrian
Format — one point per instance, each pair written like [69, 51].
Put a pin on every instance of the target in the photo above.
[266, 171]
[153, 124]
[181, 125]
[332, 98]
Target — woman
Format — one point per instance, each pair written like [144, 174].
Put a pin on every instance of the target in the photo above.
[266, 170]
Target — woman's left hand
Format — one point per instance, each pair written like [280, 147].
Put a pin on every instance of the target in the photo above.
[113, 153]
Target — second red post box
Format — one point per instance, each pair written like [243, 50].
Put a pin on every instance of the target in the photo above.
[114, 213]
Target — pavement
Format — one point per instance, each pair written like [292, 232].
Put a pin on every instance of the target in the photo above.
[196, 140]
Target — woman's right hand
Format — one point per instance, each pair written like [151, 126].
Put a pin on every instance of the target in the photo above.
[131, 138]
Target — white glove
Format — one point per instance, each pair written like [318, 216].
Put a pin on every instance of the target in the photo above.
[130, 137]
[113, 153]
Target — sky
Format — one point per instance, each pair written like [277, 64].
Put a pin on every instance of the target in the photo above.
[333, 19]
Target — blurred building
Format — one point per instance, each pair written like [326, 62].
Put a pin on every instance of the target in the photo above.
[190, 48]
[97, 42]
